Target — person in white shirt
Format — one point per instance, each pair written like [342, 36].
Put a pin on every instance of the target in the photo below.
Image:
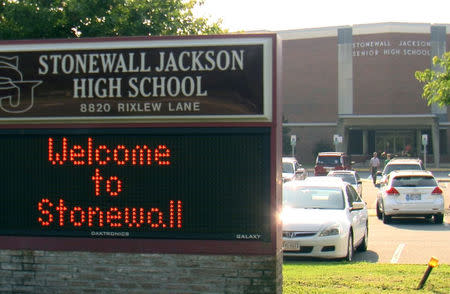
[374, 164]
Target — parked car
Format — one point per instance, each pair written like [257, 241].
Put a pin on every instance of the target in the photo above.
[323, 217]
[327, 161]
[400, 164]
[412, 193]
[350, 176]
[293, 170]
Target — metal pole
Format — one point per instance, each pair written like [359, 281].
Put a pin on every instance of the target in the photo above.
[425, 277]
[425, 156]
[434, 262]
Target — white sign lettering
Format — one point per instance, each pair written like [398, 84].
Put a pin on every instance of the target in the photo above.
[369, 48]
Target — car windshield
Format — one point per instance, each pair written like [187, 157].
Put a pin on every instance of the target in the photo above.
[313, 197]
[392, 167]
[413, 181]
[328, 160]
[346, 178]
[288, 167]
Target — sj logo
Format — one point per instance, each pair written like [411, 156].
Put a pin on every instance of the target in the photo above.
[16, 94]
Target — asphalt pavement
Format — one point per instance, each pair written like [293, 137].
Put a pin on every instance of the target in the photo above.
[405, 241]
[408, 240]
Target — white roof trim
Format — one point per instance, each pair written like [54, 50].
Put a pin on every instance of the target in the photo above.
[360, 29]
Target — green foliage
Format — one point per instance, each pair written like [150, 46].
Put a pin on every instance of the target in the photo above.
[32, 19]
[437, 84]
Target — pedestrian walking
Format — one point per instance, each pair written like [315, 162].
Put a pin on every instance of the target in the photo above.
[374, 164]
[388, 158]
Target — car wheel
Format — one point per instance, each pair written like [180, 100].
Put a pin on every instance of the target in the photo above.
[438, 218]
[365, 241]
[350, 248]
[378, 211]
[386, 218]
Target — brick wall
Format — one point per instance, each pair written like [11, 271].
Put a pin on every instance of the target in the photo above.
[30, 271]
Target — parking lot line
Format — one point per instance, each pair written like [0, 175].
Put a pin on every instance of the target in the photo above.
[397, 253]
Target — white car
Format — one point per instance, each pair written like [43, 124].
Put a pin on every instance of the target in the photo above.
[292, 170]
[350, 176]
[323, 218]
[410, 193]
[400, 163]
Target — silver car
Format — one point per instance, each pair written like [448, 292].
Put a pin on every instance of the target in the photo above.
[350, 176]
[292, 169]
[399, 164]
[323, 217]
[410, 193]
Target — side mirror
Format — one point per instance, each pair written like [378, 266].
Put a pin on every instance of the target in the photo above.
[379, 173]
[359, 182]
[357, 206]
[377, 185]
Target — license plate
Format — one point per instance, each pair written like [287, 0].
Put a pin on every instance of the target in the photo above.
[291, 246]
[412, 197]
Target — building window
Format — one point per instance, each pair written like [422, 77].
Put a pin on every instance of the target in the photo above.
[355, 143]
[443, 141]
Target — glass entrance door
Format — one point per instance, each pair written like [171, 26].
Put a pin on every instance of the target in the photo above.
[400, 142]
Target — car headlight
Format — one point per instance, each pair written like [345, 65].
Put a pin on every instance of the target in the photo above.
[287, 216]
[331, 230]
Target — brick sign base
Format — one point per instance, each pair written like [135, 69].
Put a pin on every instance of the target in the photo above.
[31, 271]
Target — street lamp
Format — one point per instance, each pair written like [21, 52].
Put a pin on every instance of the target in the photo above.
[431, 264]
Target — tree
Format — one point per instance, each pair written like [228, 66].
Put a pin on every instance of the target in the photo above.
[437, 84]
[32, 19]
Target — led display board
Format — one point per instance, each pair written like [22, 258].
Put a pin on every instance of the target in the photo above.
[188, 184]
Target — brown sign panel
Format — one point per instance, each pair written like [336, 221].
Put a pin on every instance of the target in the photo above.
[136, 79]
[196, 174]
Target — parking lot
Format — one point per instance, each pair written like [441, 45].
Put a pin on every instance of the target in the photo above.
[407, 241]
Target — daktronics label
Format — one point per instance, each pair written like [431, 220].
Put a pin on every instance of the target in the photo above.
[184, 183]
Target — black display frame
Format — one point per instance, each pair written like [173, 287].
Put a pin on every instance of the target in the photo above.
[258, 205]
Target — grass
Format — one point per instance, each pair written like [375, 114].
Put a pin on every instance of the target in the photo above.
[343, 277]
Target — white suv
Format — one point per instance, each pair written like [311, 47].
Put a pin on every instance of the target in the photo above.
[410, 193]
[292, 170]
[401, 164]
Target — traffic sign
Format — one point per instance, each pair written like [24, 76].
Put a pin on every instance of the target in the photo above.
[424, 139]
[293, 140]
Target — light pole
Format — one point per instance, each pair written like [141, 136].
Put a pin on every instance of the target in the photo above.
[293, 143]
[425, 143]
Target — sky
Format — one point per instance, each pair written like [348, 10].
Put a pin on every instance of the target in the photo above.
[276, 15]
